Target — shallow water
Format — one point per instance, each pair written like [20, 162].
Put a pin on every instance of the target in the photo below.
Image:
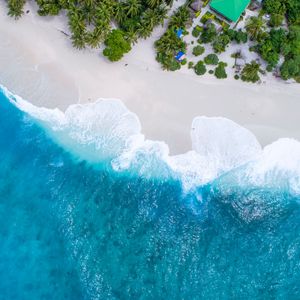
[80, 223]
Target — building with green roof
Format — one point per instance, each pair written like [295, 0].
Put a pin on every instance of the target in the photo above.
[230, 9]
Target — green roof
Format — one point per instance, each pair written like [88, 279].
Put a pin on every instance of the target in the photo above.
[230, 9]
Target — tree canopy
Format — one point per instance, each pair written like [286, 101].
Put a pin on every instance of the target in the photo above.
[116, 45]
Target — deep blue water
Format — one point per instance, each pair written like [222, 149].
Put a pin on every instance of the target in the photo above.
[71, 230]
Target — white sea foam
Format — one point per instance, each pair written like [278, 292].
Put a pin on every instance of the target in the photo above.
[107, 130]
[219, 145]
[95, 132]
[278, 166]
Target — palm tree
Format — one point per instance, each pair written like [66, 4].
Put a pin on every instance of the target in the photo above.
[132, 7]
[250, 72]
[154, 3]
[149, 18]
[169, 43]
[78, 41]
[87, 8]
[144, 30]
[15, 8]
[236, 55]
[255, 27]
[76, 21]
[132, 36]
[94, 38]
[161, 14]
[119, 12]
[180, 17]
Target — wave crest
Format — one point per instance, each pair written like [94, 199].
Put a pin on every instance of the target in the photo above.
[107, 131]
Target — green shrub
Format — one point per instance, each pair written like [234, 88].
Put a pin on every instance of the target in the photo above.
[290, 68]
[211, 71]
[220, 72]
[250, 72]
[276, 20]
[208, 34]
[236, 77]
[190, 65]
[173, 65]
[116, 45]
[15, 8]
[198, 50]
[200, 68]
[184, 62]
[211, 59]
[220, 43]
[195, 32]
[241, 36]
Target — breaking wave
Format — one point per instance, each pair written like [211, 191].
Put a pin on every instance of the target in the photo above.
[106, 131]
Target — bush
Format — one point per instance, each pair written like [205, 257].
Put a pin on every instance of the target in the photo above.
[183, 62]
[241, 36]
[208, 34]
[236, 77]
[47, 7]
[220, 72]
[211, 71]
[200, 68]
[221, 42]
[166, 46]
[195, 32]
[276, 20]
[250, 72]
[116, 45]
[211, 59]
[198, 50]
[168, 62]
[15, 8]
[190, 65]
[290, 68]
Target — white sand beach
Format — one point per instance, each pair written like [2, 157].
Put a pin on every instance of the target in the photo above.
[38, 63]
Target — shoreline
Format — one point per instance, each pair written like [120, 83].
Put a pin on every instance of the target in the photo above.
[40, 65]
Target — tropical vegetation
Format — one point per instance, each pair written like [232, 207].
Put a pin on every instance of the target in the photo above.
[274, 34]
[250, 72]
[200, 68]
[90, 21]
[220, 71]
[170, 43]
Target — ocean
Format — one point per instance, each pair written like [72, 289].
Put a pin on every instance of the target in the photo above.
[90, 209]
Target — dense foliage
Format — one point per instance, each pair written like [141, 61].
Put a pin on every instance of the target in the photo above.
[200, 68]
[208, 34]
[198, 50]
[116, 45]
[211, 59]
[15, 8]
[250, 72]
[276, 38]
[170, 43]
[220, 71]
[90, 20]
[221, 42]
[281, 42]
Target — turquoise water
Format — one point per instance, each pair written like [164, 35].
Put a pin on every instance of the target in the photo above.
[73, 229]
